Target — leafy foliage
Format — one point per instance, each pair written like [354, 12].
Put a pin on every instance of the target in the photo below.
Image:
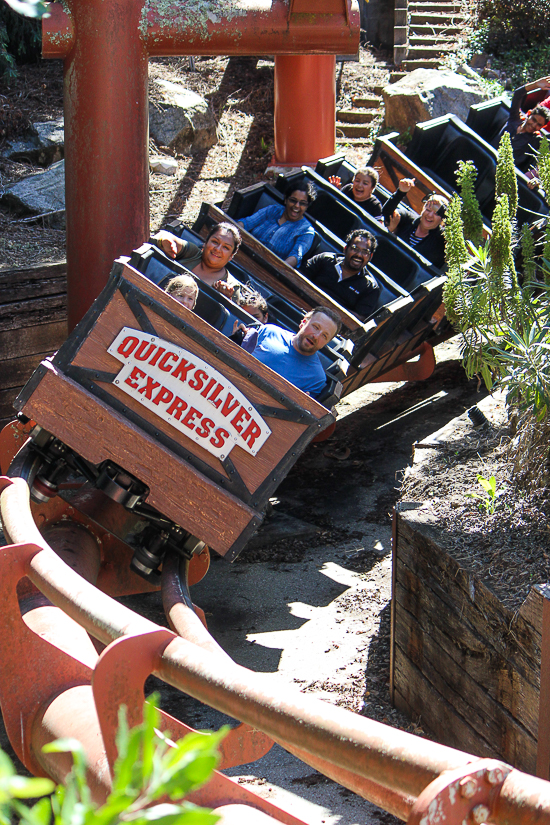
[488, 499]
[505, 326]
[505, 179]
[514, 23]
[471, 214]
[149, 770]
[20, 33]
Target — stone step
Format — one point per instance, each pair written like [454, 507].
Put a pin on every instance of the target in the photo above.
[378, 90]
[352, 130]
[395, 76]
[439, 8]
[411, 65]
[353, 141]
[366, 102]
[415, 52]
[443, 43]
[424, 29]
[357, 115]
[423, 18]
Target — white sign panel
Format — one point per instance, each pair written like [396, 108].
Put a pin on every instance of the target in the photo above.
[188, 393]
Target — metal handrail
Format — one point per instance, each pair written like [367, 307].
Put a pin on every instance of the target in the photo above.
[388, 766]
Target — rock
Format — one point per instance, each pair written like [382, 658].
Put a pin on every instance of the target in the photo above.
[41, 146]
[428, 93]
[163, 165]
[180, 119]
[479, 61]
[41, 193]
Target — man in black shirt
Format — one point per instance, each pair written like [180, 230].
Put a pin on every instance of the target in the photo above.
[345, 277]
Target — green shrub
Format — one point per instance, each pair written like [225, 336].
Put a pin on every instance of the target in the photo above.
[509, 24]
[151, 777]
[20, 34]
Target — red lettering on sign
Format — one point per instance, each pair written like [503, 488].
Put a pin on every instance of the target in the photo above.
[164, 365]
[197, 382]
[189, 419]
[128, 345]
[228, 407]
[134, 377]
[218, 439]
[208, 387]
[163, 396]
[238, 420]
[251, 433]
[156, 356]
[205, 428]
[177, 407]
[144, 351]
[214, 397]
[182, 369]
[149, 387]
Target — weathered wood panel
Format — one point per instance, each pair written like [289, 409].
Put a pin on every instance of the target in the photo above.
[466, 664]
[33, 325]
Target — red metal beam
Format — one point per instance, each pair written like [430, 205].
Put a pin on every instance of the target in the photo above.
[105, 45]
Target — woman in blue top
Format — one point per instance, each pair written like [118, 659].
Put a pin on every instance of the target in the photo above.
[285, 229]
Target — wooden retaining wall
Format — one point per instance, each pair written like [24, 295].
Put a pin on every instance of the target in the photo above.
[33, 324]
[464, 663]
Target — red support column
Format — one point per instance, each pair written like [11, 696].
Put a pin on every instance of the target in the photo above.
[305, 108]
[106, 144]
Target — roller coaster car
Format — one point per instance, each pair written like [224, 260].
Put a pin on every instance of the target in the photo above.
[393, 318]
[486, 119]
[439, 144]
[169, 417]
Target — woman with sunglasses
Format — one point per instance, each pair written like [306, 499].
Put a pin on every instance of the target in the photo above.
[422, 232]
[285, 229]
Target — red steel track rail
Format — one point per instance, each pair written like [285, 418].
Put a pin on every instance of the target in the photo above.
[52, 678]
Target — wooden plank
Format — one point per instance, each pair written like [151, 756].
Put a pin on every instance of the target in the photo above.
[99, 433]
[15, 372]
[473, 655]
[33, 282]
[416, 696]
[472, 696]
[40, 338]
[51, 309]
[7, 397]
[419, 549]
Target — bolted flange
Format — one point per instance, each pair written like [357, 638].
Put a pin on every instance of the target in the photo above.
[465, 796]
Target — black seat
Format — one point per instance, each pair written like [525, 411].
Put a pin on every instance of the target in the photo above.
[486, 119]
[334, 215]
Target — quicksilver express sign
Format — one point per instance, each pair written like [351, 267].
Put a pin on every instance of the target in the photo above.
[188, 393]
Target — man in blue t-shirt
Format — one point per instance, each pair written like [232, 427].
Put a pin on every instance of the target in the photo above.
[294, 355]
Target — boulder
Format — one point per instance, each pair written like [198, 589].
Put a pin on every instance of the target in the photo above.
[180, 119]
[428, 93]
[42, 193]
[41, 145]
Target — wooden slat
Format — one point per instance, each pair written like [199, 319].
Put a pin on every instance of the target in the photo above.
[16, 371]
[483, 682]
[40, 338]
[419, 549]
[33, 282]
[18, 314]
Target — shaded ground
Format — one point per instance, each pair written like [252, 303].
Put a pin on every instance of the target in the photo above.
[240, 93]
